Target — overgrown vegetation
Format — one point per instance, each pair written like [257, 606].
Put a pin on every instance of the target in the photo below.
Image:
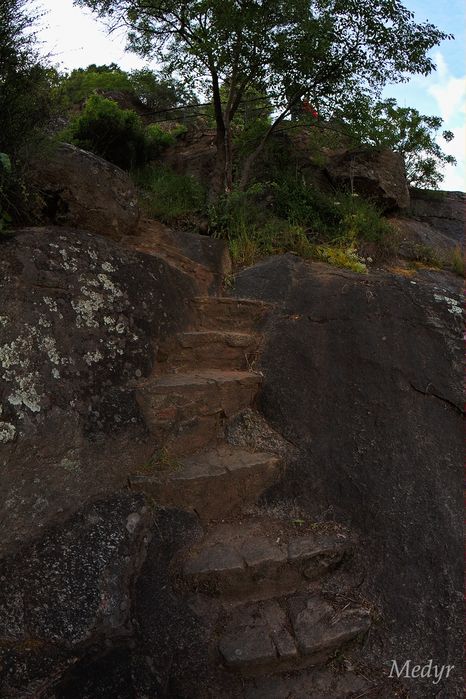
[403, 129]
[170, 197]
[26, 105]
[118, 135]
[330, 53]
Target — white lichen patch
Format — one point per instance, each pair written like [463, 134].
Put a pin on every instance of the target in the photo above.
[51, 303]
[86, 307]
[93, 357]
[44, 323]
[107, 267]
[55, 373]
[69, 263]
[26, 393]
[71, 465]
[108, 285]
[453, 305]
[4, 321]
[15, 353]
[7, 432]
[47, 344]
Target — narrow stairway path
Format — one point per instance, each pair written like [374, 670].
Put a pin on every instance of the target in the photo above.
[253, 579]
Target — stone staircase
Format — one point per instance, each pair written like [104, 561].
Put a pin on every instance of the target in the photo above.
[254, 580]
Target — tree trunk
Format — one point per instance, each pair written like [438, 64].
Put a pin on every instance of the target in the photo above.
[217, 181]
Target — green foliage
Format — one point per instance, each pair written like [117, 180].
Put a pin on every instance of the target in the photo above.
[113, 133]
[332, 52]
[25, 84]
[81, 83]
[5, 174]
[405, 130]
[341, 256]
[118, 135]
[159, 92]
[457, 261]
[26, 106]
[302, 220]
[169, 197]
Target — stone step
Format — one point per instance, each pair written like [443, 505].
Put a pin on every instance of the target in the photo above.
[214, 349]
[201, 257]
[287, 634]
[227, 313]
[205, 280]
[262, 558]
[184, 412]
[213, 483]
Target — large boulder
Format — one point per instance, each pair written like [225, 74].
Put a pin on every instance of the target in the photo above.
[375, 174]
[442, 211]
[81, 190]
[363, 374]
[68, 591]
[80, 323]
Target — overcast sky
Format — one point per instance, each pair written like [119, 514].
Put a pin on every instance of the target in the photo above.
[75, 38]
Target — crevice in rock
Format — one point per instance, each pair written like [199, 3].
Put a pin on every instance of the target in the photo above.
[452, 405]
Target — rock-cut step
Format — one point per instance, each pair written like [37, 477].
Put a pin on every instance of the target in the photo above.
[201, 257]
[287, 634]
[209, 349]
[184, 411]
[262, 558]
[228, 313]
[213, 483]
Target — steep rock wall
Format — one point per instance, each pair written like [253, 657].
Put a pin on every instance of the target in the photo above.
[363, 375]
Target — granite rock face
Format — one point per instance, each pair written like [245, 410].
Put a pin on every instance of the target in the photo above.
[68, 591]
[362, 373]
[80, 322]
[443, 211]
[81, 190]
[375, 174]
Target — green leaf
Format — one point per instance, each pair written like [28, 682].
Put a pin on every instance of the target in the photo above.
[5, 163]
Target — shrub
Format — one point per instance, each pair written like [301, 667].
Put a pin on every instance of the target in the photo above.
[169, 196]
[81, 83]
[457, 261]
[113, 133]
[26, 107]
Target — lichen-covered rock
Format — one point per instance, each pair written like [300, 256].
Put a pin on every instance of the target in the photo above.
[69, 591]
[81, 190]
[375, 174]
[80, 322]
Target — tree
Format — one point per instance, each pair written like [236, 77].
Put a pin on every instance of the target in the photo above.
[84, 82]
[25, 83]
[387, 125]
[329, 51]
[159, 92]
[26, 105]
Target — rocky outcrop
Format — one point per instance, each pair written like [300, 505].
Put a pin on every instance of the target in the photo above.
[81, 320]
[69, 592]
[442, 211]
[378, 175]
[81, 190]
[363, 375]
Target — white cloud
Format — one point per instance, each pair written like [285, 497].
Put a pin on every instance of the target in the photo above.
[448, 91]
[455, 176]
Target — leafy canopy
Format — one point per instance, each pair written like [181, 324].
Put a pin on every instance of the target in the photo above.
[331, 51]
[403, 129]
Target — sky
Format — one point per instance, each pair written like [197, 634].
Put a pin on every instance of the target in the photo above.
[74, 38]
